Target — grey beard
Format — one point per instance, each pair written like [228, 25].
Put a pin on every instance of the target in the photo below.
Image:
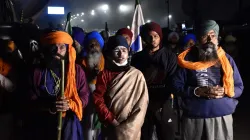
[208, 52]
[93, 59]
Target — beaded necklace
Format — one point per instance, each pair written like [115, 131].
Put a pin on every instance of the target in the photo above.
[57, 81]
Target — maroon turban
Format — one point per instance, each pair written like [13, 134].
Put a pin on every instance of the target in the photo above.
[152, 26]
[126, 31]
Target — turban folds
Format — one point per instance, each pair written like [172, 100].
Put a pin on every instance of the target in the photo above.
[78, 35]
[125, 31]
[152, 26]
[115, 41]
[208, 25]
[188, 37]
[94, 35]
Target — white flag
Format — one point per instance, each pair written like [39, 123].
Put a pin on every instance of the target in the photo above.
[138, 21]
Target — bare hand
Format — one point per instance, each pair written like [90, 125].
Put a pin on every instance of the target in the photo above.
[202, 92]
[62, 104]
[216, 92]
[115, 123]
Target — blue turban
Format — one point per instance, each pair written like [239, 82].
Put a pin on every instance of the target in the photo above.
[78, 35]
[188, 37]
[94, 35]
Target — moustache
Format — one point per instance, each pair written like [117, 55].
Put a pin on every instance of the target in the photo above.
[52, 63]
[92, 51]
[208, 52]
[209, 47]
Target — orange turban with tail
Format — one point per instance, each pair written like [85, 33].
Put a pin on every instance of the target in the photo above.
[70, 89]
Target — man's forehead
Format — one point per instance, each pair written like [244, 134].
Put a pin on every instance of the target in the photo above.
[153, 33]
[93, 41]
[211, 32]
[59, 45]
[125, 35]
[120, 47]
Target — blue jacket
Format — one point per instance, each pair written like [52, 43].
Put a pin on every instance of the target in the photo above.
[185, 81]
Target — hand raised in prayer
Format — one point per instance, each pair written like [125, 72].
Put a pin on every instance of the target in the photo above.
[62, 104]
[216, 92]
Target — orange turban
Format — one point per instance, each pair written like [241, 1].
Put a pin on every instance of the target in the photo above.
[70, 91]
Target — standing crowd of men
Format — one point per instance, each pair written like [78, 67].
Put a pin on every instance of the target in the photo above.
[113, 93]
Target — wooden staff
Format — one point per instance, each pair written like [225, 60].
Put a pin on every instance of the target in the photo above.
[59, 127]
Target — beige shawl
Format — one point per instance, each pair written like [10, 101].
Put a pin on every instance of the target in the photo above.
[128, 96]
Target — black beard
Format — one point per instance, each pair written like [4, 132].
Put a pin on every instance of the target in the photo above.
[208, 52]
[52, 63]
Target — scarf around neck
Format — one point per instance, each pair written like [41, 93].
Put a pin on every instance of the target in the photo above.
[228, 81]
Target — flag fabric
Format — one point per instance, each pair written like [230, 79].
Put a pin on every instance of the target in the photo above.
[138, 21]
[68, 27]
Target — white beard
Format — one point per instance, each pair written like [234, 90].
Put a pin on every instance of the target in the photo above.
[93, 59]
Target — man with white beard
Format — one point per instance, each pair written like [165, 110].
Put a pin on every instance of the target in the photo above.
[209, 83]
[92, 63]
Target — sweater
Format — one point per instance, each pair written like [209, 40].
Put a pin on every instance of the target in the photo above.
[185, 81]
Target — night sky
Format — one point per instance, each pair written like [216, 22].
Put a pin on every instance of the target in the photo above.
[154, 10]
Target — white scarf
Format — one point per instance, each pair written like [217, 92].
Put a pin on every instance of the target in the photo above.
[123, 64]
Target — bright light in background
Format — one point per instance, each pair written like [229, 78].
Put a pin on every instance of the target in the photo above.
[124, 8]
[128, 27]
[93, 12]
[55, 10]
[82, 13]
[82, 20]
[77, 14]
[105, 7]
[168, 17]
[148, 21]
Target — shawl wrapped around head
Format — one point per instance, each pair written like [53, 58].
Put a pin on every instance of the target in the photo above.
[228, 81]
[70, 89]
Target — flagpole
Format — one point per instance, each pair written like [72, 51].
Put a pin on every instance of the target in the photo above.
[106, 27]
[59, 127]
[168, 13]
[68, 27]
[137, 2]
